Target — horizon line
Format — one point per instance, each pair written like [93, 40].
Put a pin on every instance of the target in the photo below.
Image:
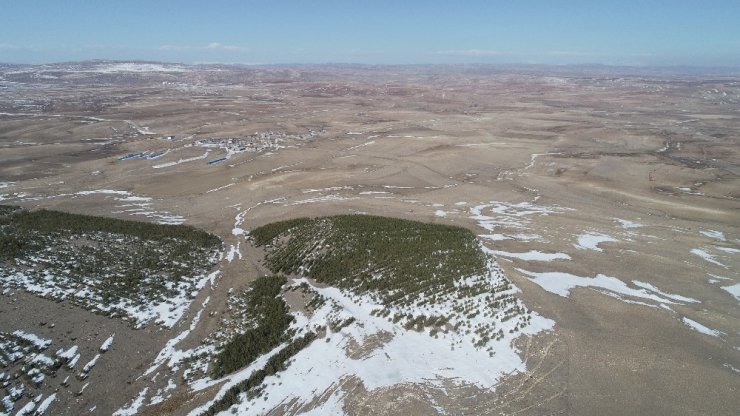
[440, 64]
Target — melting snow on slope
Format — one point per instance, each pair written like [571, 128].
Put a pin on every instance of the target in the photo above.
[103, 191]
[68, 354]
[34, 339]
[160, 396]
[133, 408]
[90, 364]
[242, 215]
[495, 237]
[360, 145]
[44, 406]
[591, 241]
[135, 205]
[220, 188]
[717, 235]
[627, 223]
[374, 193]
[734, 290]
[562, 283]
[165, 312]
[107, 343]
[230, 380]
[696, 326]
[508, 214]
[169, 353]
[238, 221]
[706, 256]
[27, 409]
[672, 296]
[329, 189]
[533, 255]
[326, 198]
[408, 357]
[729, 250]
[388, 354]
[233, 252]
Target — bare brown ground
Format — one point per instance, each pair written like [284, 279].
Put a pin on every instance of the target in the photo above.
[660, 152]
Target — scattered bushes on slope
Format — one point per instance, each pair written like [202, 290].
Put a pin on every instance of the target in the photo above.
[394, 258]
[272, 319]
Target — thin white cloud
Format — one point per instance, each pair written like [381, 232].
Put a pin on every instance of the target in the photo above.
[174, 48]
[471, 52]
[219, 46]
[211, 46]
[565, 53]
[8, 46]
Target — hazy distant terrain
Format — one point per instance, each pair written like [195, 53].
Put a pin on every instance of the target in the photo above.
[369, 239]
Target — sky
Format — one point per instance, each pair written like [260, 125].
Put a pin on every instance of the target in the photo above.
[626, 32]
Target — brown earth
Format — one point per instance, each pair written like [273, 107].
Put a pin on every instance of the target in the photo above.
[660, 151]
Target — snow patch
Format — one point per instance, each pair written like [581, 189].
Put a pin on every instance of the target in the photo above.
[90, 364]
[696, 326]
[734, 290]
[168, 352]
[506, 214]
[69, 354]
[717, 235]
[360, 145]
[220, 188]
[729, 250]
[495, 237]
[133, 408]
[706, 256]
[34, 339]
[233, 252]
[329, 189]
[326, 198]
[533, 255]
[591, 241]
[44, 405]
[27, 409]
[627, 223]
[561, 284]
[408, 357]
[107, 343]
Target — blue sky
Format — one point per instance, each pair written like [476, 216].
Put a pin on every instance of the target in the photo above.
[647, 32]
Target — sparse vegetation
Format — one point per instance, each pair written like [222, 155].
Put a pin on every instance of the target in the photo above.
[424, 275]
[103, 264]
[257, 322]
[396, 259]
[268, 315]
[8, 209]
[252, 385]
[48, 221]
